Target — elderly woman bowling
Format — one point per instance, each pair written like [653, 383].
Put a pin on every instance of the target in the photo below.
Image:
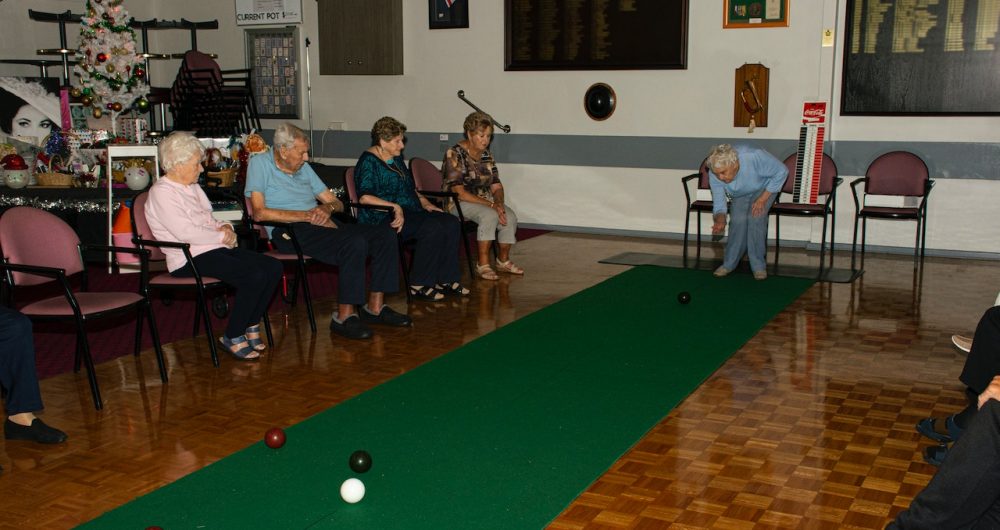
[745, 181]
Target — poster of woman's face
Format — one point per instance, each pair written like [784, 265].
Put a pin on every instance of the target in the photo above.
[29, 107]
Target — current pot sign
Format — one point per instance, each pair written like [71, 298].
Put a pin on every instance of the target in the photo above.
[258, 12]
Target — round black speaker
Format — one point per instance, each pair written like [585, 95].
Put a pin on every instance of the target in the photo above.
[599, 101]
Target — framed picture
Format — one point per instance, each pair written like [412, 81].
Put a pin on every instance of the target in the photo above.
[577, 35]
[901, 61]
[273, 55]
[30, 108]
[754, 13]
[78, 115]
[447, 14]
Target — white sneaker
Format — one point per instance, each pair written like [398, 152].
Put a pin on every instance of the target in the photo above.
[760, 275]
[962, 343]
[720, 272]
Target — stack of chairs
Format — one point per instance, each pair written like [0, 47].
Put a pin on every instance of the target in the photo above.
[212, 102]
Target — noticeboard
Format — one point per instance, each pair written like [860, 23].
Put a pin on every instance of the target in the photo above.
[273, 56]
[595, 34]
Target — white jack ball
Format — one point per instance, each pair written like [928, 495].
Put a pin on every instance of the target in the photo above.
[352, 490]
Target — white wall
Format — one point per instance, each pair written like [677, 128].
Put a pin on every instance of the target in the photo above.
[696, 102]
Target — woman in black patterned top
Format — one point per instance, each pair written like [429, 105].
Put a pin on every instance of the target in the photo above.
[470, 171]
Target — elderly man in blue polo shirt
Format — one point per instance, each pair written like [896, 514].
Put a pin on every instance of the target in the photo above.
[749, 179]
[282, 187]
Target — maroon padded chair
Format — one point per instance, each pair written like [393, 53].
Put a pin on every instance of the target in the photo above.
[828, 183]
[40, 248]
[430, 183]
[298, 259]
[896, 173]
[200, 285]
[697, 206]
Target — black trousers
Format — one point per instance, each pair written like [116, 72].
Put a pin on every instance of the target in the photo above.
[348, 247]
[255, 277]
[17, 363]
[965, 492]
[983, 362]
[435, 255]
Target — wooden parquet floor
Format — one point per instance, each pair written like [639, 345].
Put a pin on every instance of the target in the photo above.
[809, 425]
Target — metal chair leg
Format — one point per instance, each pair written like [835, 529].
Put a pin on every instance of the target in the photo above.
[267, 330]
[88, 361]
[864, 239]
[687, 226]
[854, 244]
[306, 296]
[697, 256]
[777, 238]
[822, 248]
[154, 333]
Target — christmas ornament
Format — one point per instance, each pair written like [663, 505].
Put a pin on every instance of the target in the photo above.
[101, 57]
[139, 72]
[117, 107]
[75, 92]
[142, 104]
[110, 68]
[86, 100]
[98, 113]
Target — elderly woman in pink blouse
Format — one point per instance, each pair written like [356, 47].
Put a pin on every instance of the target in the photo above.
[178, 210]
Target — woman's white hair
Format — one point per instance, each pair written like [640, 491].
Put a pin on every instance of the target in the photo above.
[722, 156]
[178, 148]
[286, 134]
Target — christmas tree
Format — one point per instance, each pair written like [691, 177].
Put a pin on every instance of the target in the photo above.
[111, 72]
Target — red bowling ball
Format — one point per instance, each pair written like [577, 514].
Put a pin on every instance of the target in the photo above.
[274, 438]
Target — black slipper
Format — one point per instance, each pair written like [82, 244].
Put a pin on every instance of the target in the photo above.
[37, 432]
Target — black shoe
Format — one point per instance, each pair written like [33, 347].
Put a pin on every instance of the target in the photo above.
[935, 454]
[388, 316]
[351, 327]
[38, 432]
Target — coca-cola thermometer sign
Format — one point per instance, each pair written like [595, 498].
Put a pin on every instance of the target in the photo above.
[814, 112]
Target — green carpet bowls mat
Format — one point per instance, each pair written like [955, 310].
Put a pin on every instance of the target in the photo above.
[503, 432]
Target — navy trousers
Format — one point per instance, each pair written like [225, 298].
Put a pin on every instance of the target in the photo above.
[435, 255]
[348, 247]
[17, 363]
[983, 362]
[965, 492]
[255, 277]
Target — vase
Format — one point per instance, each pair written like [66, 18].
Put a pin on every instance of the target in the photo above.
[17, 178]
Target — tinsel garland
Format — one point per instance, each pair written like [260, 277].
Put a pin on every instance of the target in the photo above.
[76, 205]
[83, 205]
